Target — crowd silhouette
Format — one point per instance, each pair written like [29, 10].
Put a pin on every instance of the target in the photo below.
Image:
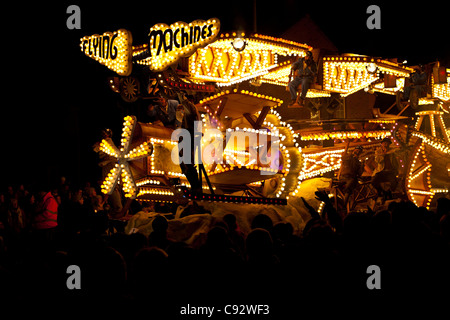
[269, 265]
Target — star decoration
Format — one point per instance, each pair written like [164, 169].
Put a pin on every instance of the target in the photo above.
[124, 155]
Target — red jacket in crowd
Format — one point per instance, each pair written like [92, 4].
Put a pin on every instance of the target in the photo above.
[48, 213]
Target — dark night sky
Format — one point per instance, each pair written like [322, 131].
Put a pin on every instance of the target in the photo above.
[56, 100]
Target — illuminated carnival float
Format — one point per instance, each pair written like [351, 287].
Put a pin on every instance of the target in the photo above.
[236, 81]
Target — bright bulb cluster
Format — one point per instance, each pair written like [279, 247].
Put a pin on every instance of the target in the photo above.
[112, 49]
[377, 134]
[121, 171]
[419, 178]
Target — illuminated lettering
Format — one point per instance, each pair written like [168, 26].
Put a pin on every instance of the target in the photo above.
[169, 43]
[168, 40]
[175, 41]
[154, 34]
[105, 45]
[112, 49]
[184, 38]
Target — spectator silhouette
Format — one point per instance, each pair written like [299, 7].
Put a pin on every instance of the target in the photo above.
[186, 271]
[410, 244]
[75, 215]
[262, 221]
[319, 242]
[444, 228]
[119, 241]
[158, 237]
[149, 273]
[108, 272]
[286, 244]
[443, 207]
[183, 258]
[355, 239]
[260, 250]
[217, 253]
[381, 227]
[133, 244]
[235, 235]
[262, 263]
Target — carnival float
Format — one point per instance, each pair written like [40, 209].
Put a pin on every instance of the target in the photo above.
[237, 81]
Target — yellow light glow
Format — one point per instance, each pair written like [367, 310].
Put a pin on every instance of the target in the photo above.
[348, 74]
[221, 63]
[441, 91]
[170, 43]
[112, 49]
[433, 142]
[227, 66]
[419, 177]
[122, 171]
[346, 77]
[327, 135]
[318, 163]
[383, 121]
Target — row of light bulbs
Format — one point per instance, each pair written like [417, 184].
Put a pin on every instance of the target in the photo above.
[346, 77]
[227, 66]
[142, 150]
[319, 136]
[122, 63]
[426, 181]
[433, 142]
